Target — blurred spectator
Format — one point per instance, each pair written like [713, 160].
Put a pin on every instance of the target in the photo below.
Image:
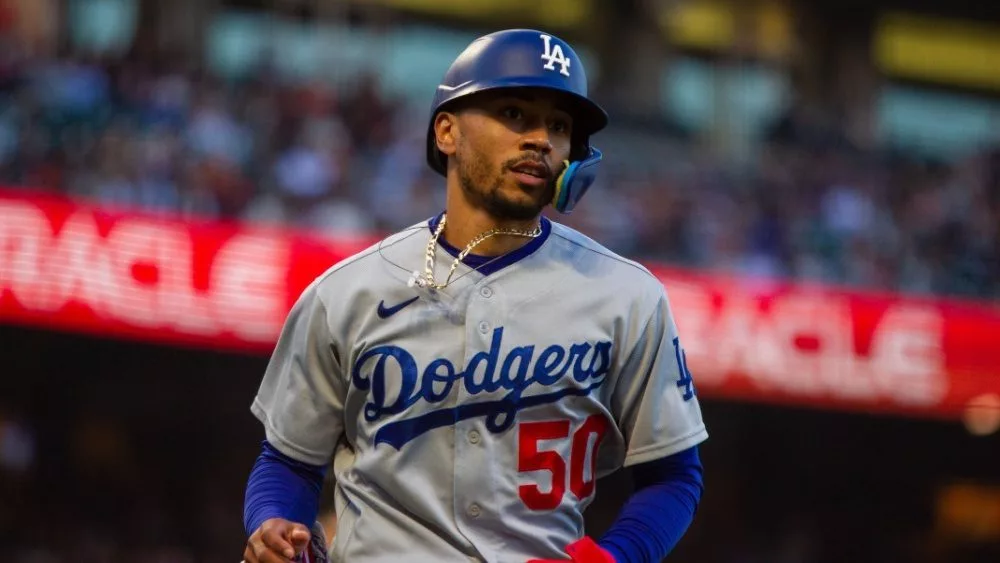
[214, 133]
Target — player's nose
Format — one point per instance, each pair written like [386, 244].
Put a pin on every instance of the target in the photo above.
[536, 139]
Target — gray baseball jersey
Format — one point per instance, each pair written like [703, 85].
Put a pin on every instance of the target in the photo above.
[471, 423]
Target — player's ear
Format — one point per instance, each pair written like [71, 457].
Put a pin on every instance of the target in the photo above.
[446, 132]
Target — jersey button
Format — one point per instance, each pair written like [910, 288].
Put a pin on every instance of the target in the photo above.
[474, 437]
[474, 510]
[486, 291]
[484, 327]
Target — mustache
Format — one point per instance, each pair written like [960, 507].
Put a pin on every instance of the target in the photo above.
[530, 158]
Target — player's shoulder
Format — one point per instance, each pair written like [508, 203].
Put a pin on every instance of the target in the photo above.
[379, 263]
[574, 246]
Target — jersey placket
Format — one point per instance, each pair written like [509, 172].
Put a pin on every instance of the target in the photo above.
[476, 509]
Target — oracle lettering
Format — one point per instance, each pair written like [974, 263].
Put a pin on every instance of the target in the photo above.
[142, 272]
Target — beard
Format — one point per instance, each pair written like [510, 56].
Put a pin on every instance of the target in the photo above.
[489, 195]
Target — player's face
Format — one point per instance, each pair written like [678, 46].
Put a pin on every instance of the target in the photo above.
[510, 149]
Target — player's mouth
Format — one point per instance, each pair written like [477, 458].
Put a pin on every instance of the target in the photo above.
[532, 173]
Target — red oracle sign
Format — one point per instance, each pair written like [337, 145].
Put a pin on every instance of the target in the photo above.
[814, 345]
[69, 266]
[222, 285]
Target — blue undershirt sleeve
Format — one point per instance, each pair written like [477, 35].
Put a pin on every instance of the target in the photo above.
[655, 518]
[281, 487]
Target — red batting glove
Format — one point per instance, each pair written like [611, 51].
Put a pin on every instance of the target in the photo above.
[584, 550]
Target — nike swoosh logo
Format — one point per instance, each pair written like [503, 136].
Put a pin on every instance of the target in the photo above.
[386, 312]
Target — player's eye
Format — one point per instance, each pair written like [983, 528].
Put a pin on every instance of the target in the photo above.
[512, 112]
[560, 126]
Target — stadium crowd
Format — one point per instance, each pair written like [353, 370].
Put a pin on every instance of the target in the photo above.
[160, 136]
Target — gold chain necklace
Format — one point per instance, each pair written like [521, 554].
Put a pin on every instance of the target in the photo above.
[426, 280]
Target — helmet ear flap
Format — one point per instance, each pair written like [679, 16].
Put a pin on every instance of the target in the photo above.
[574, 181]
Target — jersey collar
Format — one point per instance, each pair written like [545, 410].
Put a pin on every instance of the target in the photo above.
[487, 265]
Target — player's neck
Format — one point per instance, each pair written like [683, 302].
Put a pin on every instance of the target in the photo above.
[463, 225]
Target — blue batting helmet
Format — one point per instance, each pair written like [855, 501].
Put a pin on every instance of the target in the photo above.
[525, 58]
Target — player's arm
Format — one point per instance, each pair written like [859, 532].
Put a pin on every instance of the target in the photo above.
[281, 504]
[300, 403]
[656, 408]
[657, 515]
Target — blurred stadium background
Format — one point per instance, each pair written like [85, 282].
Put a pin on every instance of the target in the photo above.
[816, 182]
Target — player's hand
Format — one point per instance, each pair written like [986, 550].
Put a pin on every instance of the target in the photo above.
[276, 541]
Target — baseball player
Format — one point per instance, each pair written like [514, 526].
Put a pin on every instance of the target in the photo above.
[472, 376]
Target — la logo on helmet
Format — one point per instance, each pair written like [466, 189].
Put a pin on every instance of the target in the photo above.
[554, 55]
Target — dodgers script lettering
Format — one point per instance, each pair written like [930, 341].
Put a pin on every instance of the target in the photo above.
[518, 371]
